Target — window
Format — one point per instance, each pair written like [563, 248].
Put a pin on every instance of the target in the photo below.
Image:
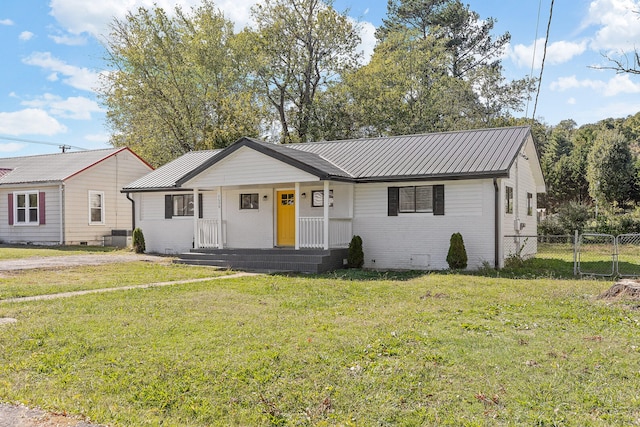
[96, 207]
[317, 198]
[509, 200]
[529, 204]
[424, 198]
[249, 201]
[180, 205]
[416, 199]
[27, 208]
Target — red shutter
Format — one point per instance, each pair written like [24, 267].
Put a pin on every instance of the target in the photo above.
[41, 207]
[10, 204]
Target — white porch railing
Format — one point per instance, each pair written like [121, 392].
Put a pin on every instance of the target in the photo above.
[311, 232]
[208, 234]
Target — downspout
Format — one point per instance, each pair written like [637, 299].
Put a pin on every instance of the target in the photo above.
[133, 212]
[61, 196]
[496, 216]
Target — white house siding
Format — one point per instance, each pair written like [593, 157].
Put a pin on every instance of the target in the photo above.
[519, 223]
[248, 228]
[421, 240]
[249, 167]
[168, 236]
[108, 176]
[342, 200]
[45, 234]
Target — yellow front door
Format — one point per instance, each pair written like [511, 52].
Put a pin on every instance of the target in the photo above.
[286, 218]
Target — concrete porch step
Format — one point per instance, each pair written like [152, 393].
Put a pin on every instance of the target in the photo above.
[270, 260]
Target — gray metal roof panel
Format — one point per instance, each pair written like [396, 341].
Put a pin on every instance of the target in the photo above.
[50, 167]
[474, 152]
[167, 175]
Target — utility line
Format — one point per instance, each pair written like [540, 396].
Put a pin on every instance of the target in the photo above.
[533, 58]
[63, 147]
[544, 55]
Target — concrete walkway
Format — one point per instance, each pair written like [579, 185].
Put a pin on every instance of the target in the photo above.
[124, 288]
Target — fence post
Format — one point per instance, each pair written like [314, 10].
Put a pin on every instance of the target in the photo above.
[575, 253]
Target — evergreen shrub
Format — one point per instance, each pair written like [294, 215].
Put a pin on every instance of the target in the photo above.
[355, 256]
[138, 241]
[457, 255]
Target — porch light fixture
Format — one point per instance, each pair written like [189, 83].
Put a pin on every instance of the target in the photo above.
[265, 197]
[303, 195]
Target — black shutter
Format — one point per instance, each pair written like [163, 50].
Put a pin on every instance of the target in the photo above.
[200, 207]
[438, 199]
[393, 201]
[168, 206]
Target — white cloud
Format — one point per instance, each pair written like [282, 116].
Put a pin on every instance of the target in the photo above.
[619, 24]
[102, 138]
[367, 33]
[6, 22]
[31, 121]
[79, 78]
[26, 36]
[571, 101]
[75, 107]
[619, 84]
[11, 147]
[557, 52]
[69, 40]
[94, 17]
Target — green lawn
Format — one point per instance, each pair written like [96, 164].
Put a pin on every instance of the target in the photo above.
[340, 349]
[25, 251]
[23, 283]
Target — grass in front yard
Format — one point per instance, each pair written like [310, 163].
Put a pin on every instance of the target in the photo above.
[24, 283]
[26, 251]
[275, 350]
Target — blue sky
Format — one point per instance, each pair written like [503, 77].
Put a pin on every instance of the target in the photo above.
[53, 57]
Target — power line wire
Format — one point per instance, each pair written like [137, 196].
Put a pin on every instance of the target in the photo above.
[533, 58]
[63, 147]
[544, 55]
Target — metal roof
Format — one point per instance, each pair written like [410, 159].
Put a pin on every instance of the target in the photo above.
[453, 155]
[50, 167]
[168, 175]
[482, 152]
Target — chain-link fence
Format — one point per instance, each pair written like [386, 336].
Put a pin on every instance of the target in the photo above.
[520, 246]
[628, 254]
[596, 255]
[593, 254]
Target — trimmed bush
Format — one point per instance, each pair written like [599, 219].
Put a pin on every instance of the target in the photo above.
[355, 256]
[138, 241]
[457, 255]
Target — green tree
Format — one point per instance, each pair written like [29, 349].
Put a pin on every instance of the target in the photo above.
[436, 67]
[177, 83]
[301, 47]
[610, 170]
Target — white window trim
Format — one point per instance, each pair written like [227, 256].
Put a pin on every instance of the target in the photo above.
[101, 193]
[26, 223]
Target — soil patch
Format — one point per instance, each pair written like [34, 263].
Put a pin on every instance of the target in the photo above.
[625, 288]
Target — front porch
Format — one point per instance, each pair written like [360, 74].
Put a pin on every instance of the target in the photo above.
[289, 215]
[211, 233]
[311, 261]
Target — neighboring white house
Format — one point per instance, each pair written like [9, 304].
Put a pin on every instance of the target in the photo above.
[67, 198]
[405, 196]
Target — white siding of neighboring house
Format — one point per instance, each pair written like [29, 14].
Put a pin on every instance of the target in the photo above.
[46, 234]
[108, 176]
[248, 167]
[421, 240]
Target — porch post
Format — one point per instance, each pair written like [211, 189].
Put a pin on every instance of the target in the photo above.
[196, 209]
[297, 214]
[219, 225]
[326, 215]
